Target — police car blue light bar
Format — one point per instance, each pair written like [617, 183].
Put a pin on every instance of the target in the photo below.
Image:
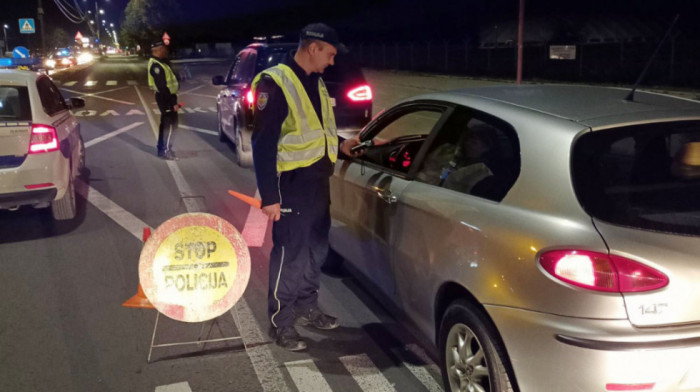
[7, 62]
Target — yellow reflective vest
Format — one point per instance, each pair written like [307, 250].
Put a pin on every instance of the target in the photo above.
[170, 78]
[303, 138]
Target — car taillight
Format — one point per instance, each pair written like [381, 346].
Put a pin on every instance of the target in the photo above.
[249, 97]
[361, 93]
[601, 271]
[43, 139]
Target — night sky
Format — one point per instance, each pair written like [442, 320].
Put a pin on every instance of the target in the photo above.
[356, 20]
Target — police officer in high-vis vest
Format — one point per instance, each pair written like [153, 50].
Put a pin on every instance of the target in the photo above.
[295, 145]
[162, 80]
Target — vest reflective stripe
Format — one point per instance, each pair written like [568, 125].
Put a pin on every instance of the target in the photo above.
[303, 139]
[170, 79]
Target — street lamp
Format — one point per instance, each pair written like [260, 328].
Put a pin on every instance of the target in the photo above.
[4, 30]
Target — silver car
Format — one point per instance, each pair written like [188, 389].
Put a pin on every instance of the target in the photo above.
[539, 238]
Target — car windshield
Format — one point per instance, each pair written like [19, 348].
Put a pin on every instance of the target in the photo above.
[14, 104]
[642, 176]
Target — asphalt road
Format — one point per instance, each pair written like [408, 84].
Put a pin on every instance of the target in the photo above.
[63, 326]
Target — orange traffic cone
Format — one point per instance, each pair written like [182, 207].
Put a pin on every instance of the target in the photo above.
[139, 300]
[257, 203]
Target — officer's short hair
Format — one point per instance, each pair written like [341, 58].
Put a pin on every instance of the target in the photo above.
[305, 43]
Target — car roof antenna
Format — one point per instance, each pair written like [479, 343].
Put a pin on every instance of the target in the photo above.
[630, 96]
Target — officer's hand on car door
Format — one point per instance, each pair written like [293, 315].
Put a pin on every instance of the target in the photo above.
[272, 211]
[348, 144]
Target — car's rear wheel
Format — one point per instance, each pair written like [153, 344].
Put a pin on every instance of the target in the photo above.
[472, 357]
[65, 208]
[243, 158]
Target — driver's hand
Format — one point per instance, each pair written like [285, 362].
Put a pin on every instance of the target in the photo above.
[348, 144]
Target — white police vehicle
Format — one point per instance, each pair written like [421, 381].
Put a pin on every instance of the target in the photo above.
[41, 149]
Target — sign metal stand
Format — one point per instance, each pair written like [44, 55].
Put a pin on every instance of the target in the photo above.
[199, 341]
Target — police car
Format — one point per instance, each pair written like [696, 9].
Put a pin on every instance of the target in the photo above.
[41, 149]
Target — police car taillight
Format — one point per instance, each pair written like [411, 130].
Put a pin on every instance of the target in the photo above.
[43, 139]
[361, 93]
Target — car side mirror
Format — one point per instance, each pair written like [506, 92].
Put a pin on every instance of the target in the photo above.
[75, 103]
[218, 80]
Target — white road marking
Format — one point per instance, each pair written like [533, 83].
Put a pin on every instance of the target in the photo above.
[366, 374]
[203, 95]
[90, 83]
[132, 83]
[71, 83]
[111, 83]
[307, 377]
[96, 95]
[255, 226]
[151, 120]
[190, 90]
[122, 217]
[179, 387]
[422, 373]
[202, 130]
[112, 134]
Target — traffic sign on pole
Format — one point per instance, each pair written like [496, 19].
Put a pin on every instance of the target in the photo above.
[20, 52]
[78, 36]
[26, 26]
[166, 38]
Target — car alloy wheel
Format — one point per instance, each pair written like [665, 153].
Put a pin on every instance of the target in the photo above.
[472, 357]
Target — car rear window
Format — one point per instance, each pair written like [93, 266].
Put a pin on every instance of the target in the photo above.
[14, 104]
[641, 176]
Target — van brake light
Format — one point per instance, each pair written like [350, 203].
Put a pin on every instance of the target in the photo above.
[361, 93]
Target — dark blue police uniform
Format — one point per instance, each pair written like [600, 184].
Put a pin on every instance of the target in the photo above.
[300, 237]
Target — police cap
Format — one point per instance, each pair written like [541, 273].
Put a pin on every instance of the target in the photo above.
[157, 44]
[322, 32]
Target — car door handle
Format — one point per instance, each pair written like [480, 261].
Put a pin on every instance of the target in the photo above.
[385, 195]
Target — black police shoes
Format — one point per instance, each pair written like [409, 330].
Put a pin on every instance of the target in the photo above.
[288, 338]
[317, 319]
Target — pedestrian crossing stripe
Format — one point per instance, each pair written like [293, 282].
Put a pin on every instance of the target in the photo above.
[132, 82]
[306, 376]
[90, 83]
[422, 373]
[366, 374]
[71, 83]
[111, 83]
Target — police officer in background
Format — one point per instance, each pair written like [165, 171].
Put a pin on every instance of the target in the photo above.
[163, 81]
[295, 145]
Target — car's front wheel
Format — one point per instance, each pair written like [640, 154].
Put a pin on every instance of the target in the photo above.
[65, 208]
[472, 358]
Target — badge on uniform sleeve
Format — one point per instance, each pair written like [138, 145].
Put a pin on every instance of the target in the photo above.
[262, 100]
[156, 70]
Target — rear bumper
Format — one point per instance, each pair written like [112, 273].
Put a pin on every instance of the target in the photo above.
[10, 200]
[49, 168]
[557, 353]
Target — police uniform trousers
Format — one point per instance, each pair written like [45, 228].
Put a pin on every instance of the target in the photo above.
[168, 124]
[300, 246]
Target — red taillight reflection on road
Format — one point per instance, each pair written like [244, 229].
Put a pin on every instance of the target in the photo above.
[43, 139]
[601, 271]
[361, 93]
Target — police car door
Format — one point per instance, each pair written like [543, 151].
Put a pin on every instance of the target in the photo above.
[367, 190]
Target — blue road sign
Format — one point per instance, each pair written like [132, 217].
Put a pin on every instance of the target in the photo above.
[20, 52]
[26, 26]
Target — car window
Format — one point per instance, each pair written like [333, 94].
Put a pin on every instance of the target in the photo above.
[472, 153]
[245, 70]
[402, 134]
[272, 57]
[642, 176]
[51, 98]
[229, 76]
[14, 104]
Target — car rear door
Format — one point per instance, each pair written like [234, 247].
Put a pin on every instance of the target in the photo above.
[15, 123]
[60, 117]
[367, 190]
